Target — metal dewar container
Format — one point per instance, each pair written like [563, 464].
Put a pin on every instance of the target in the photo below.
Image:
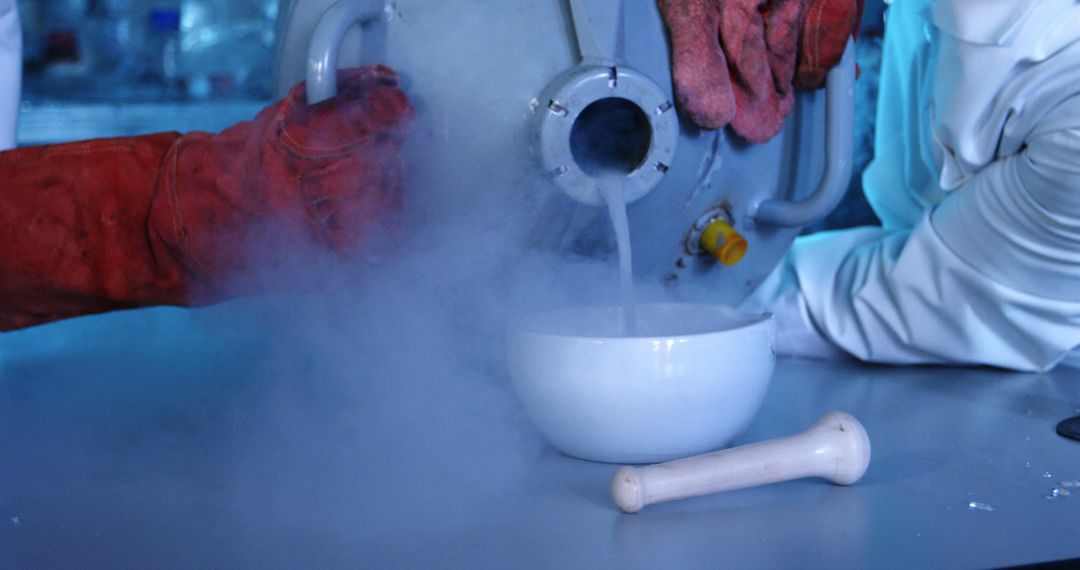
[533, 102]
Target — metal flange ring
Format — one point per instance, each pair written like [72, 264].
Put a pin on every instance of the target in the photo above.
[560, 109]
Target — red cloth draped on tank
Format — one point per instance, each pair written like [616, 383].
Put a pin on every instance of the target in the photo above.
[169, 219]
[739, 61]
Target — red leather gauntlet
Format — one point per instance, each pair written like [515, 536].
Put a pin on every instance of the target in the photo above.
[167, 219]
[826, 27]
[739, 61]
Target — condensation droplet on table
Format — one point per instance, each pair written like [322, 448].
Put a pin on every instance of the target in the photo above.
[16, 521]
[1069, 484]
[1047, 475]
[977, 506]
[1060, 491]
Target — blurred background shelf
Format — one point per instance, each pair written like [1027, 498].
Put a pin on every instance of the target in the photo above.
[53, 122]
[104, 68]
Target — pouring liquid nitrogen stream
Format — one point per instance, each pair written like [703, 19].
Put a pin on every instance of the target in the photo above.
[612, 191]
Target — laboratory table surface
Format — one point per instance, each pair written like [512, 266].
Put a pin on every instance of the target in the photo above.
[126, 453]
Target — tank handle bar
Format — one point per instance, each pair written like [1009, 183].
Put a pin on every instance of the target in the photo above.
[839, 153]
[326, 43]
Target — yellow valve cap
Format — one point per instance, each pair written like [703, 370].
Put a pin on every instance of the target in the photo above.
[723, 242]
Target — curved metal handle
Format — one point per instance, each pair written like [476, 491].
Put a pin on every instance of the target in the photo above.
[11, 71]
[326, 44]
[839, 153]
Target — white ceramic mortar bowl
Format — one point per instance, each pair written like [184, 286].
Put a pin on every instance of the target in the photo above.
[690, 383]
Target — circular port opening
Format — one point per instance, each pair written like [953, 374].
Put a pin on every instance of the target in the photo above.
[610, 136]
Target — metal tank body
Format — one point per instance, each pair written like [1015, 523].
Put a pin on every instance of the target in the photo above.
[501, 90]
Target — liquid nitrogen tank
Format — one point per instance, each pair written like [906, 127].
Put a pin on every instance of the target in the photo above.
[537, 100]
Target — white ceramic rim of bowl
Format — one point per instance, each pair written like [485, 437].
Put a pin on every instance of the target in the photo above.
[526, 324]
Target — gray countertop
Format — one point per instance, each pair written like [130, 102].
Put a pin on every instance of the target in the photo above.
[141, 451]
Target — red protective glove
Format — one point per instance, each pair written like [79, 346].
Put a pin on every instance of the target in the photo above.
[826, 27]
[735, 61]
[167, 219]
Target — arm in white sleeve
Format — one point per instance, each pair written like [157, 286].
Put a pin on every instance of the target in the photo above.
[991, 277]
[10, 72]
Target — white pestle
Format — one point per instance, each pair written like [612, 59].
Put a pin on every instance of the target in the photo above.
[835, 448]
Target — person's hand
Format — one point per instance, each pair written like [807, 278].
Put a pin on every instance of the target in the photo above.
[739, 61]
[826, 27]
[173, 219]
[323, 172]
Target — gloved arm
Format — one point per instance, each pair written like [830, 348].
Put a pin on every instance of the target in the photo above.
[739, 61]
[173, 220]
[990, 277]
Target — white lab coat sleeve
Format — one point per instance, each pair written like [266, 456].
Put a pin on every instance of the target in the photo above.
[991, 277]
[10, 72]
